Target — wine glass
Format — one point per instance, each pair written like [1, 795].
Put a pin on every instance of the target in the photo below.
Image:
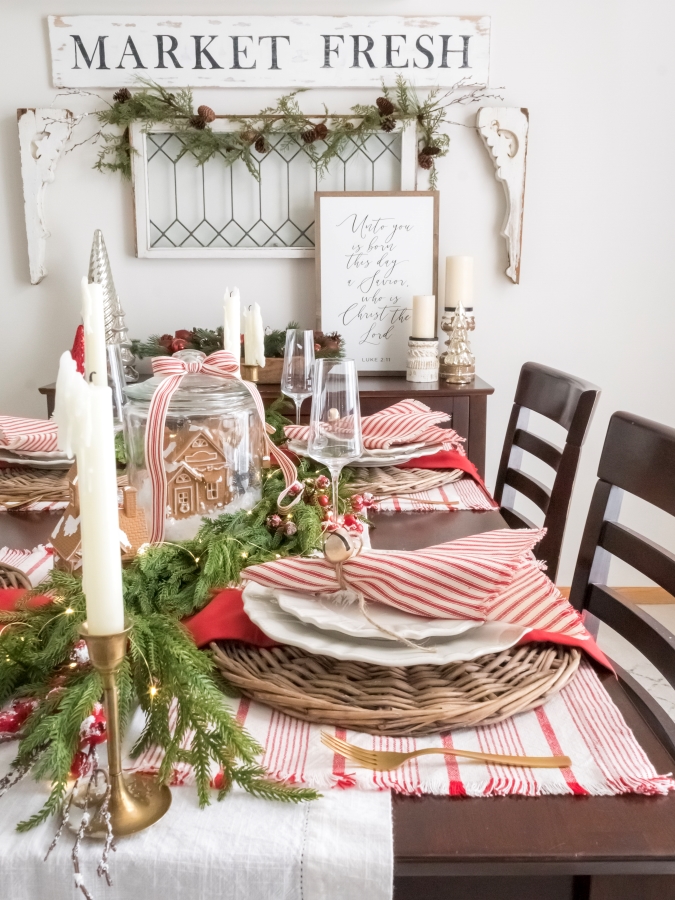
[335, 421]
[296, 378]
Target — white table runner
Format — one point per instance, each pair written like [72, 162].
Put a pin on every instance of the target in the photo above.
[337, 848]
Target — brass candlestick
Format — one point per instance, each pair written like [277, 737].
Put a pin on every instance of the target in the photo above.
[249, 373]
[136, 801]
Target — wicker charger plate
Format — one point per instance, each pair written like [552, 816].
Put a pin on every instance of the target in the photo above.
[398, 700]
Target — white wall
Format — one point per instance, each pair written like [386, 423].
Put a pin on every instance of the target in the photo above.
[596, 296]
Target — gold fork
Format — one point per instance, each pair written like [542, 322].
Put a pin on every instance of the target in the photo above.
[384, 760]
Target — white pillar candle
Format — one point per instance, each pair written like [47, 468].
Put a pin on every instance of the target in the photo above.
[85, 425]
[232, 323]
[95, 357]
[423, 317]
[459, 282]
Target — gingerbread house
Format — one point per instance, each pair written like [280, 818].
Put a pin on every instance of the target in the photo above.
[66, 538]
[198, 477]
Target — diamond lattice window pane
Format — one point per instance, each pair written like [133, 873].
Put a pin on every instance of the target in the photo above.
[216, 205]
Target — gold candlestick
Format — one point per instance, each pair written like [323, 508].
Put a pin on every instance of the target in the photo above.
[249, 373]
[136, 801]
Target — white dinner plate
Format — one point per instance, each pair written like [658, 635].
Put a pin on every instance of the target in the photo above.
[326, 614]
[262, 608]
[35, 462]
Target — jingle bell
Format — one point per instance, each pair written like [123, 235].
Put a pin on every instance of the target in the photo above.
[338, 546]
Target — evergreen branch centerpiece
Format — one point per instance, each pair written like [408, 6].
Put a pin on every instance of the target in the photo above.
[46, 674]
[208, 341]
[321, 137]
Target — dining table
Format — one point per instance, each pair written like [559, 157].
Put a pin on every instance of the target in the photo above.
[546, 847]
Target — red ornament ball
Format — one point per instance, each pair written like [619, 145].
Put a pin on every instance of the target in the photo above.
[273, 521]
[322, 482]
[93, 729]
[178, 344]
[350, 520]
[290, 528]
[295, 489]
[357, 502]
[323, 500]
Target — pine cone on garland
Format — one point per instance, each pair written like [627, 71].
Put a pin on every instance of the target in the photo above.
[206, 113]
[198, 122]
[122, 95]
[425, 161]
[309, 136]
[321, 131]
[249, 136]
[431, 151]
[388, 124]
[385, 106]
[261, 145]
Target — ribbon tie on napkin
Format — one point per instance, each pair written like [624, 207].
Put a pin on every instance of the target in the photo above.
[223, 365]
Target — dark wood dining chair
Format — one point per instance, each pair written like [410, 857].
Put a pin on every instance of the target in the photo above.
[568, 401]
[638, 457]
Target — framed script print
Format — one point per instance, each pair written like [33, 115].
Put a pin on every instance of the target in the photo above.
[374, 251]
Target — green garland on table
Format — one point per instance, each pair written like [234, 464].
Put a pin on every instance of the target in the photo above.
[209, 341]
[153, 105]
[162, 586]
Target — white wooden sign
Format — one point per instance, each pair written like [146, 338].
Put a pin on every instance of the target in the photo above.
[375, 251]
[263, 51]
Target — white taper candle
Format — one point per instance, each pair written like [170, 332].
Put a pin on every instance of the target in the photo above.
[84, 416]
[93, 317]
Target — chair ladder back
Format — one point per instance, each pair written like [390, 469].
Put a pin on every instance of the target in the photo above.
[627, 464]
[569, 402]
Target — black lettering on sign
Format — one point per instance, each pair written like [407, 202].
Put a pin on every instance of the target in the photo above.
[429, 55]
[168, 51]
[391, 50]
[274, 38]
[203, 51]
[327, 49]
[130, 50]
[100, 48]
[464, 51]
[365, 52]
[238, 51]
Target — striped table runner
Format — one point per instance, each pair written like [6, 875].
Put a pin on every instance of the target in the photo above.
[581, 722]
[463, 494]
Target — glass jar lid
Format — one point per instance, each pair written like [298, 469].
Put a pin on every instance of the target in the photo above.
[196, 392]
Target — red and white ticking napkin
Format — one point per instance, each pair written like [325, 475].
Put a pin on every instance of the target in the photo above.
[463, 494]
[36, 563]
[406, 422]
[457, 579]
[41, 506]
[28, 435]
[581, 722]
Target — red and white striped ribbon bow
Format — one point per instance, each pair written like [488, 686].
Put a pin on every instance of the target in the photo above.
[222, 364]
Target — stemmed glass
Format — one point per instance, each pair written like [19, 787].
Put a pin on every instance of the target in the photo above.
[335, 421]
[296, 378]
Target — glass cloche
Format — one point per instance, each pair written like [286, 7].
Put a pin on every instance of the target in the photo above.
[213, 448]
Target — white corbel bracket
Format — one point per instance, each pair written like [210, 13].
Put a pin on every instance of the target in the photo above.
[43, 134]
[504, 130]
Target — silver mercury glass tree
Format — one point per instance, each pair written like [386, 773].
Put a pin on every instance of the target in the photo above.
[115, 327]
[457, 363]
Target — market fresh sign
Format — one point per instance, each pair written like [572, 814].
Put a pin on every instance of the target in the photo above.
[263, 51]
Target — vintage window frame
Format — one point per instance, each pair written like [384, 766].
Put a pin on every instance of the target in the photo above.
[139, 172]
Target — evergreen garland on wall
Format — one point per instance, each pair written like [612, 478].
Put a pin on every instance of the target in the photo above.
[322, 138]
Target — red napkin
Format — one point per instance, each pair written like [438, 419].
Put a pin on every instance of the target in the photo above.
[446, 459]
[224, 619]
[10, 596]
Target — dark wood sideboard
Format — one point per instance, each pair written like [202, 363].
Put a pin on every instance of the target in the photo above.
[465, 403]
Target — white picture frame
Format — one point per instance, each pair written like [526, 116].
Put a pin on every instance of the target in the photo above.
[391, 239]
[139, 135]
